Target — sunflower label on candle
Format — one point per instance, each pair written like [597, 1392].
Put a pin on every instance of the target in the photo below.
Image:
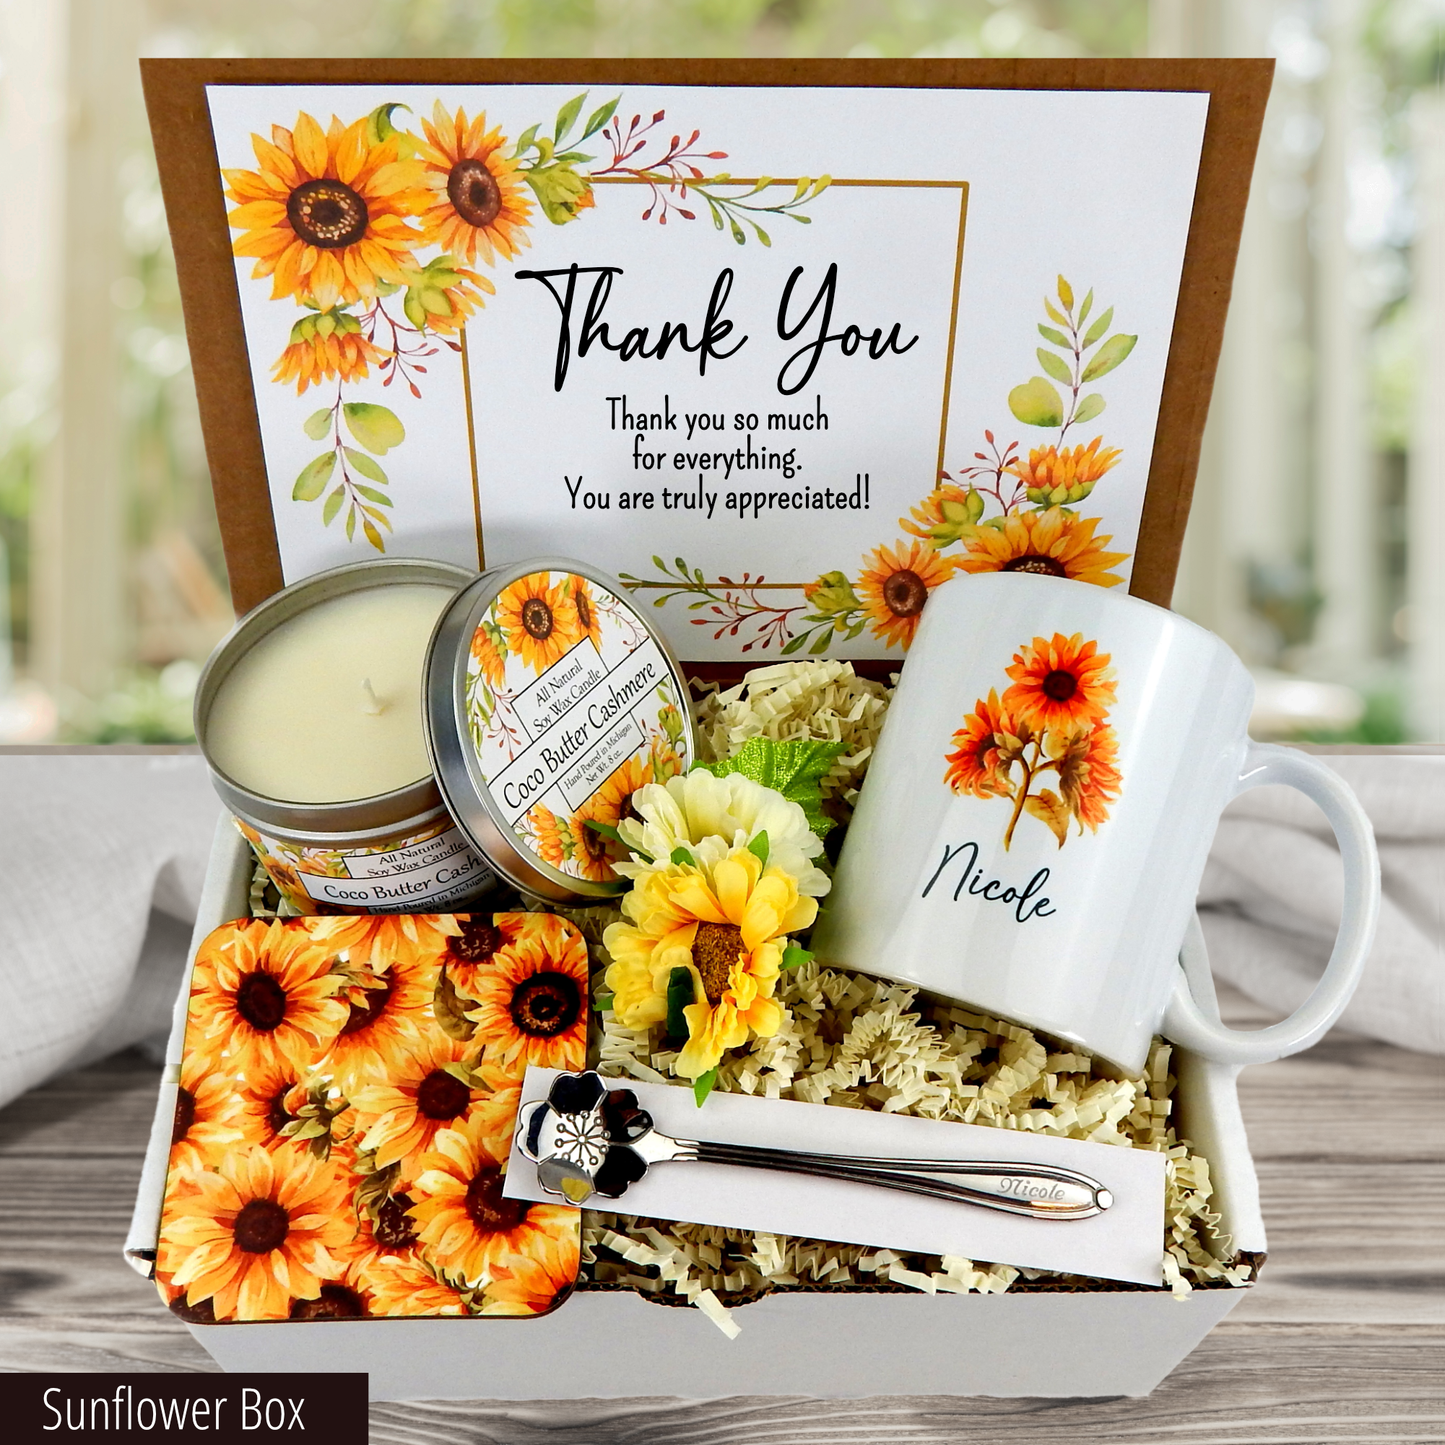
[571, 707]
[420, 872]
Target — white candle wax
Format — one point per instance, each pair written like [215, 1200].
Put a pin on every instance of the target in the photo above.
[327, 708]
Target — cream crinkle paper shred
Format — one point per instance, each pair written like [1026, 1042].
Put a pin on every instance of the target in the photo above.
[862, 1043]
[790, 701]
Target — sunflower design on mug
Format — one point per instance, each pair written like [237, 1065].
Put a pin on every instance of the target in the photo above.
[1050, 726]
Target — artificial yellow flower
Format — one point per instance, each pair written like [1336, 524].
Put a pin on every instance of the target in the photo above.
[700, 810]
[725, 922]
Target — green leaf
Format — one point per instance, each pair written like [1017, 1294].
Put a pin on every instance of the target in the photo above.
[1098, 328]
[1057, 337]
[603, 1003]
[449, 1010]
[1090, 407]
[314, 477]
[566, 116]
[759, 847]
[1054, 365]
[793, 956]
[1036, 403]
[681, 991]
[318, 424]
[333, 506]
[738, 234]
[377, 428]
[599, 118]
[378, 123]
[1066, 294]
[411, 305]
[680, 855]
[1108, 356]
[366, 465]
[524, 141]
[702, 1087]
[606, 829]
[1087, 307]
[372, 495]
[795, 769]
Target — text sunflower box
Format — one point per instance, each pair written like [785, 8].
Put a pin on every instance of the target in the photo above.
[1112, 1340]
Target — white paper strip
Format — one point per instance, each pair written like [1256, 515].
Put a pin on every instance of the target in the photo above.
[1125, 1242]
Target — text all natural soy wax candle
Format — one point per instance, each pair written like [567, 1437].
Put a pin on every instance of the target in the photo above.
[550, 700]
[310, 716]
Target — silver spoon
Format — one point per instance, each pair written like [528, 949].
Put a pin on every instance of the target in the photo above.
[591, 1141]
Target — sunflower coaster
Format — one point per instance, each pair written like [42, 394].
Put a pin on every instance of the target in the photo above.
[346, 1103]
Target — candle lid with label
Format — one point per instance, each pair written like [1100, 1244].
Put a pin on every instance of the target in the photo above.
[549, 700]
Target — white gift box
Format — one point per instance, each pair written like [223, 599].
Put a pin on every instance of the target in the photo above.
[1110, 1340]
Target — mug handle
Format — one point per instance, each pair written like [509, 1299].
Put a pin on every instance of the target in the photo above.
[1187, 1024]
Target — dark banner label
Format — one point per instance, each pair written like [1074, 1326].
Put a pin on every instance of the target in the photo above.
[215, 1408]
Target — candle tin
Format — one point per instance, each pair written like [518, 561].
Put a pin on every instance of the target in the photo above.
[549, 700]
[396, 852]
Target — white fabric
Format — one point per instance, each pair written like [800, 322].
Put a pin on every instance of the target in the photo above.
[102, 858]
[1270, 899]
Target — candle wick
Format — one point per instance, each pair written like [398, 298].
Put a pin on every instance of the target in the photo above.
[370, 703]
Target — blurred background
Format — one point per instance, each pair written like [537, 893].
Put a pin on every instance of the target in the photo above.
[1315, 545]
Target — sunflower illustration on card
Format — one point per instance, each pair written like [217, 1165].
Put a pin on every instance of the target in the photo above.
[344, 1112]
[1046, 746]
[647, 324]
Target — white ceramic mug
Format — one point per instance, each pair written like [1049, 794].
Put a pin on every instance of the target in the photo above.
[1036, 819]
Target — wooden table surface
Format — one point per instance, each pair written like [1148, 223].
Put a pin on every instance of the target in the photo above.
[1343, 1339]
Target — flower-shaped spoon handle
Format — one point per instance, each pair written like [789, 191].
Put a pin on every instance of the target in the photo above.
[587, 1140]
